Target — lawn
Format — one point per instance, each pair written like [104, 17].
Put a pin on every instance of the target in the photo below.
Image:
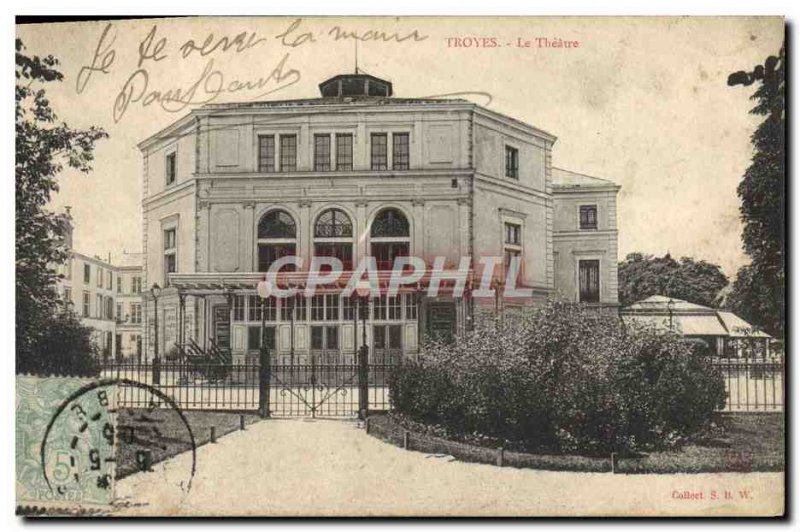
[164, 434]
[737, 442]
[740, 442]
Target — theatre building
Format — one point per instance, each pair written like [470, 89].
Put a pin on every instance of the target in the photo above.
[354, 173]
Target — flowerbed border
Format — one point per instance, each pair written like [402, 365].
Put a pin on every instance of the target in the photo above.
[382, 427]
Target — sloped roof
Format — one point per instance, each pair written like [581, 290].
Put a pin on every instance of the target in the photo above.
[568, 179]
[738, 327]
[688, 318]
[661, 303]
[332, 100]
[690, 325]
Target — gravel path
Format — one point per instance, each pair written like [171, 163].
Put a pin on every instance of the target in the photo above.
[325, 467]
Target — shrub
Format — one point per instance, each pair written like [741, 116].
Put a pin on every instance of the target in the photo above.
[562, 378]
[65, 349]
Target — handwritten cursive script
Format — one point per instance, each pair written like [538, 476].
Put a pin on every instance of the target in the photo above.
[205, 89]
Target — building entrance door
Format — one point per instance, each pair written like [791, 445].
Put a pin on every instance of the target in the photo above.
[325, 344]
[222, 326]
[387, 344]
[441, 320]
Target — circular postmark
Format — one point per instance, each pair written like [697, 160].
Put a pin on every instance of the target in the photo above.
[89, 441]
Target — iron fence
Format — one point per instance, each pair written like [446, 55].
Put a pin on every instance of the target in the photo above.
[752, 384]
[310, 389]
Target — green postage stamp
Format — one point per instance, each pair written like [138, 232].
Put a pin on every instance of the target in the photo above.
[65, 443]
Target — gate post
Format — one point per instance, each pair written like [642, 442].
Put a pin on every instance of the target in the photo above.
[156, 370]
[363, 382]
[264, 376]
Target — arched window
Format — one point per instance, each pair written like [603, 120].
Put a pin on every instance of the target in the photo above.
[333, 236]
[277, 224]
[277, 237]
[389, 223]
[389, 237]
[333, 223]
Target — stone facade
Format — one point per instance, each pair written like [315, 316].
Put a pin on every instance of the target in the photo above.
[468, 181]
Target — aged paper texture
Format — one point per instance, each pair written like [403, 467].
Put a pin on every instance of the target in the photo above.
[400, 266]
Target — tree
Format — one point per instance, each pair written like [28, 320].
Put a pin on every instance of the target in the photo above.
[759, 290]
[43, 146]
[641, 276]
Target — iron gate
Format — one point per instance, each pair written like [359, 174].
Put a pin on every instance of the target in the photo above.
[309, 386]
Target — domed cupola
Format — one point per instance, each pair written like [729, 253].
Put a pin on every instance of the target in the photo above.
[355, 85]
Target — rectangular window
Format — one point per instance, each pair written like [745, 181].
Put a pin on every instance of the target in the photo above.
[331, 307]
[288, 153]
[120, 313]
[512, 162]
[254, 308]
[588, 215]
[318, 308]
[170, 253]
[119, 284]
[99, 277]
[400, 151]
[411, 306]
[344, 152]
[297, 303]
[67, 295]
[349, 306]
[266, 153]
[87, 273]
[87, 310]
[322, 153]
[300, 308]
[394, 307]
[136, 313]
[98, 306]
[379, 308]
[378, 151]
[109, 280]
[513, 234]
[170, 239]
[109, 308]
[170, 168]
[136, 285]
[238, 308]
[589, 279]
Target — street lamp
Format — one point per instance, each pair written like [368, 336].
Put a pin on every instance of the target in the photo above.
[155, 291]
[363, 290]
[264, 290]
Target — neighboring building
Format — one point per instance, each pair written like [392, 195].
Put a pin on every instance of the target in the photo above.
[230, 188]
[724, 332]
[585, 237]
[128, 307]
[95, 289]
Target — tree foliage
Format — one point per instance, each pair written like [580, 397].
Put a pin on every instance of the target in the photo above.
[758, 292]
[642, 276]
[43, 146]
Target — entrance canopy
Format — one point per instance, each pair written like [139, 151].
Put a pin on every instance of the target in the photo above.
[201, 284]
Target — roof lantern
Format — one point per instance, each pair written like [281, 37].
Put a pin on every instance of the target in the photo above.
[355, 85]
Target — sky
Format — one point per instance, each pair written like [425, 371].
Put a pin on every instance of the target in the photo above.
[640, 101]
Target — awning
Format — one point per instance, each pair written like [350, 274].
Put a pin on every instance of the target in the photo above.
[233, 282]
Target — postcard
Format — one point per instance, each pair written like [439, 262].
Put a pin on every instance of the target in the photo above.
[400, 266]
